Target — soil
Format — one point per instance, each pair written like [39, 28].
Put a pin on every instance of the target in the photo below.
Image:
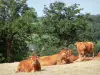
[91, 67]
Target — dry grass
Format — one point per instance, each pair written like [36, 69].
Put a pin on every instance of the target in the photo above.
[91, 67]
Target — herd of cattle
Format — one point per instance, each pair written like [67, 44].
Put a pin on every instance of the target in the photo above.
[65, 56]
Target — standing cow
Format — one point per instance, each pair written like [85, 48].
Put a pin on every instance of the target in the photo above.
[84, 48]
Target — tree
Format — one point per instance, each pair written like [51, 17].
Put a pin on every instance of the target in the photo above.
[62, 25]
[96, 25]
[16, 25]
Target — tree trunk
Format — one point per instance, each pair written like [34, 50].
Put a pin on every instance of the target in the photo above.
[9, 46]
[8, 49]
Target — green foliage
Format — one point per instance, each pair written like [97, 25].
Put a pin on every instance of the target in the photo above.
[96, 25]
[97, 47]
[61, 26]
[17, 22]
[1, 57]
[74, 49]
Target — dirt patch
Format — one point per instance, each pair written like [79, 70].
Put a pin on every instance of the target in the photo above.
[91, 67]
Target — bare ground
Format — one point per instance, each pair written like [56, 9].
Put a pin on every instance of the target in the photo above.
[91, 67]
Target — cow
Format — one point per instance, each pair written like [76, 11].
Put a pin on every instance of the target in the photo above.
[28, 65]
[98, 55]
[85, 48]
[64, 57]
[56, 59]
[72, 58]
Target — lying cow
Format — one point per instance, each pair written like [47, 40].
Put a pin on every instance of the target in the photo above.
[59, 58]
[98, 55]
[72, 58]
[63, 58]
[28, 65]
[85, 48]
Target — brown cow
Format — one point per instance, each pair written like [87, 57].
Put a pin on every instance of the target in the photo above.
[28, 65]
[84, 48]
[72, 58]
[58, 58]
[98, 55]
[64, 57]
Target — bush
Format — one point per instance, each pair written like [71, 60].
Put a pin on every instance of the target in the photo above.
[1, 58]
[73, 48]
[97, 48]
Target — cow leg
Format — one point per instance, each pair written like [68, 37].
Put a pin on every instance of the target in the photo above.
[79, 59]
[93, 51]
[92, 54]
[32, 70]
[84, 56]
[80, 55]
